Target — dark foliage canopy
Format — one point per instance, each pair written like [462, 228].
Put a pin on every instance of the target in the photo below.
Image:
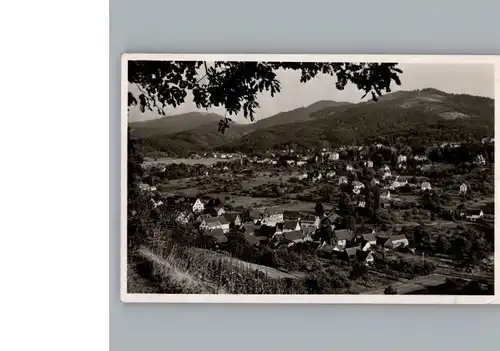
[236, 85]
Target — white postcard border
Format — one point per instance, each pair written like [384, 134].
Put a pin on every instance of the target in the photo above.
[293, 299]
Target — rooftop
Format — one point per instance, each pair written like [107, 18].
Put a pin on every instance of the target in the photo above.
[230, 217]
[397, 237]
[216, 220]
[290, 225]
[293, 235]
[218, 235]
[369, 237]
[344, 234]
[252, 239]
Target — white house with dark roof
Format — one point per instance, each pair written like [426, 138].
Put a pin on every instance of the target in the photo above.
[343, 237]
[355, 254]
[399, 241]
[198, 206]
[473, 215]
[233, 219]
[426, 186]
[480, 160]
[367, 241]
[463, 188]
[357, 186]
[273, 214]
[215, 223]
[219, 211]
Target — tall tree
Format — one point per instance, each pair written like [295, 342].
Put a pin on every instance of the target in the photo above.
[443, 244]
[319, 209]
[376, 198]
[236, 85]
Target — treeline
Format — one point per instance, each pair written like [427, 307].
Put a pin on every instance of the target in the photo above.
[466, 246]
[182, 170]
[363, 124]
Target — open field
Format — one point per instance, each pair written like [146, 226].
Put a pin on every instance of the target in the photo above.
[302, 206]
[263, 178]
[188, 161]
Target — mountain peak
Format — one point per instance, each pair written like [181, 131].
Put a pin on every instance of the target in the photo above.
[321, 104]
[432, 91]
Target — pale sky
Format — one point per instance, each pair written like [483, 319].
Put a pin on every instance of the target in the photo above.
[473, 79]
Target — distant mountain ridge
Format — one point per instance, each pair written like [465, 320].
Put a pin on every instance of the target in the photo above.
[300, 114]
[426, 113]
[173, 124]
[206, 121]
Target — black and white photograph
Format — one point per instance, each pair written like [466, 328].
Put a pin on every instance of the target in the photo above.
[308, 178]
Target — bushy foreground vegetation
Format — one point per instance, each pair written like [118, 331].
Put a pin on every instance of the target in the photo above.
[175, 269]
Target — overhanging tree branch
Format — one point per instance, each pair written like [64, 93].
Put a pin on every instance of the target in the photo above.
[236, 85]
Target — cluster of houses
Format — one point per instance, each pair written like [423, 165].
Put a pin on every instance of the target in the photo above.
[302, 157]
[276, 228]
[358, 245]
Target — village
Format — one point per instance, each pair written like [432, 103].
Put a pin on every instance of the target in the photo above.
[354, 204]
